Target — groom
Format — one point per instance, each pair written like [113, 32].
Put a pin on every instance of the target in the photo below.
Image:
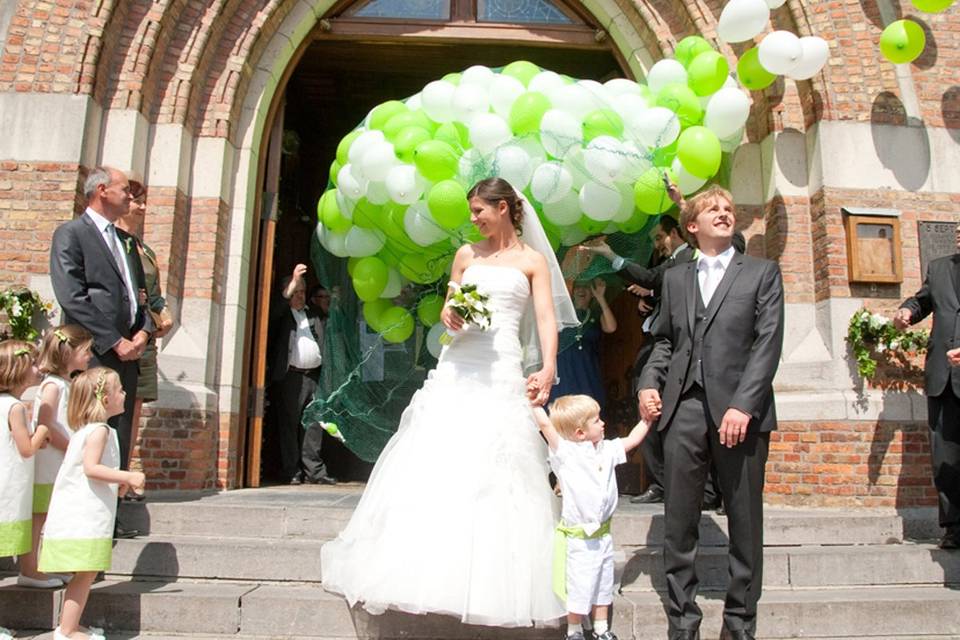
[709, 384]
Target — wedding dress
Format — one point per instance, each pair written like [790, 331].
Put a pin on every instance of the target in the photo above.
[457, 517]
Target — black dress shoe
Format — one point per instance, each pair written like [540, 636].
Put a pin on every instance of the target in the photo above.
[735, 634]
[325, 480]
[653, 495]
[124, 533]
[296, 479]
[712, 505]
[950, 540]
[685, 634]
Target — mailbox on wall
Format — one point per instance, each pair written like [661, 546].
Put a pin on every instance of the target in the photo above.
[873, 245]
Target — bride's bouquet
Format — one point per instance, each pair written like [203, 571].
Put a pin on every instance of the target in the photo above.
[471, 305]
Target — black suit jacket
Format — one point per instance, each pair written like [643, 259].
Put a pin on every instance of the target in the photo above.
[742, 340]
[652, 277]
[89, 286]
[939, 295]
[282, 325]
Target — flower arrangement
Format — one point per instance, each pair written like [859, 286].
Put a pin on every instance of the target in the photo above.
[871, 334]
[20, 306]
[471, 305]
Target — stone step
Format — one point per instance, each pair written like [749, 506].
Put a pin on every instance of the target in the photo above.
[296, 611]
[319, 513]
[48, 635]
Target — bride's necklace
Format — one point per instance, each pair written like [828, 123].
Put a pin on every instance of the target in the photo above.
[506, 248]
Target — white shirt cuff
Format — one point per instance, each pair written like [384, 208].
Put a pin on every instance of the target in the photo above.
[618, 262]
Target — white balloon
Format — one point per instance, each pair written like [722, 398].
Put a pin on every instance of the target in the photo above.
[597, 93]
[437, 100]
[414, 102]
[572, 236]
[351, 186]
[599, 202]
[560, 132]
[621, 86]
[420, 225]
[394, 284]
[727, 112]
[611, 228]
[546, 81]
[666, 71]
[334, 242]
[604, 159]
[504, 91]
[775, 4]
[814, 56]
[780, 52]
[551, 182]
[361, 242]
[686, 181]
[402, 185]
[577, 166]
[636, 161]
[470, 100]
[346, 205]
[377, 160]
[659, 127]
[363, 143]
[730, 144]
[472, 168]
[478, 75]
[534, 149]
[742, 20]
[433, 339]
[564, 211]
[630, 106]
[731, 82]
[626, 203]
[574, 100]
[512, 163]
[377, 193]
[488, 131]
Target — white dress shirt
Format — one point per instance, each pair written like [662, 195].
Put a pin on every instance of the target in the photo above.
[588, 480]
[109, 232]
[304, 350]
[710, 270]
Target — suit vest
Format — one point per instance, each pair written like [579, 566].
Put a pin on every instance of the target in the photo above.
[695, 364]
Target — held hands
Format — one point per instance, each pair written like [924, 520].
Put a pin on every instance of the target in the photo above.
[650, 405]
[733, 427]
[901, 319]
[539, 385]
[451, 319]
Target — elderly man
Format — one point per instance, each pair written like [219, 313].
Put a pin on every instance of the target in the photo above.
[98, 279]
[296, 353]
[940, 295]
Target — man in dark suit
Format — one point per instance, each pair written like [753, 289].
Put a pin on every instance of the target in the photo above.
[940, 294]
[296, 354]
[97, 278]
[708, 386]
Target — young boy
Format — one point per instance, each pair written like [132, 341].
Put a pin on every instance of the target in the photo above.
[585, 463]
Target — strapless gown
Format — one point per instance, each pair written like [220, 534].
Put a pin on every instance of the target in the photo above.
[458, 516]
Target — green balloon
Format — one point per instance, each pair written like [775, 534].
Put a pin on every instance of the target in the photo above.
[452, 78]
[429, 308]
[592, 227]
[707, 73]
[931, 6]
[683, 101]
[527, 112]
[382, 113]
[454, 134]
[602, 122]
[751, 73]
[436, 160]
[373, 311]
[391, 223]
[396, 324]
[689, 48]
[406, 119]
[699, 152]
[407, 141]
[418, 267]
[902, 41]
[635, 223]
[367, 215]
[328, 212]
[663, 156]
[447, 202]
[369, 278]
[521, 70]
[335, 167]
[343, 149]
[649, 192]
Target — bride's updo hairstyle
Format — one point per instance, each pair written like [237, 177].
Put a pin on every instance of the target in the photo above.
[492, 191]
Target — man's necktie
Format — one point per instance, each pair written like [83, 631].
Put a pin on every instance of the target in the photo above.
[712, 278]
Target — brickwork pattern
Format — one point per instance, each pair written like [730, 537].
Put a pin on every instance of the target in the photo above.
[166, 230]
[178, 448]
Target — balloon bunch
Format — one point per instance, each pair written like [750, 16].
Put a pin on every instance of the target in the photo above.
[590, 157]
[904, 40]
[779, 52]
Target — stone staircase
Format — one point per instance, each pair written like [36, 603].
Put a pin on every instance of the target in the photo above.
[246, 565]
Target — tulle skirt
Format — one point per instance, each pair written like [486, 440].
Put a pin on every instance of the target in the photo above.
[457, 517]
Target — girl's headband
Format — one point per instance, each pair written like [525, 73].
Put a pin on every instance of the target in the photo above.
[60, 335]
[22, 351]
[101, 383]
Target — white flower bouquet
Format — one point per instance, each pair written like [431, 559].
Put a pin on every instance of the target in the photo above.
[471, 305]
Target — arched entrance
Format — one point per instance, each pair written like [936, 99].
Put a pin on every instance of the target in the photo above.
[358, 55]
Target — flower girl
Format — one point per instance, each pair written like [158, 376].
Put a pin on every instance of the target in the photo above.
[79, 530]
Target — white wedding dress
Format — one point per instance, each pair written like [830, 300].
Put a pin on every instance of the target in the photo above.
[458, 516]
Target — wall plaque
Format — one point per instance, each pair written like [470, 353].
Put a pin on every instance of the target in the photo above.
[937, 239]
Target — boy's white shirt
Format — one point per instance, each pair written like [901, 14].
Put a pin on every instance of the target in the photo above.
[587, 477]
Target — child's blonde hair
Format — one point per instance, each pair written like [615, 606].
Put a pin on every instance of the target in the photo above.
[17, 357]
[88, 396]
[59, 346]
[569, 413]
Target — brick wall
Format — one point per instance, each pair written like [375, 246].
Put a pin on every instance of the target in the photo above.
[178, 448]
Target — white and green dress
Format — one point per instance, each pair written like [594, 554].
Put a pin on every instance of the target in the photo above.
[49, 458]
[16, 488]
[78, 535]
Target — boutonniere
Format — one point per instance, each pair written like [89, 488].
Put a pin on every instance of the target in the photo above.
[129, 242]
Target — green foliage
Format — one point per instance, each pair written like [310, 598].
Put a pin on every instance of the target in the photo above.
[871, 335]
[20, 306]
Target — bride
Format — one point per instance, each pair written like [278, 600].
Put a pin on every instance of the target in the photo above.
[457, 517]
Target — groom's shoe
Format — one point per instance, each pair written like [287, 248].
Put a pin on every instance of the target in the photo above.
[653, 495]
[685, 634]
[735, 634]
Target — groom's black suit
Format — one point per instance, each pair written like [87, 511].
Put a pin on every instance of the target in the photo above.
[706, 360]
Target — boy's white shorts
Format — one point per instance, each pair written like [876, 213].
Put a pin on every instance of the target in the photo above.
[589, 573]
